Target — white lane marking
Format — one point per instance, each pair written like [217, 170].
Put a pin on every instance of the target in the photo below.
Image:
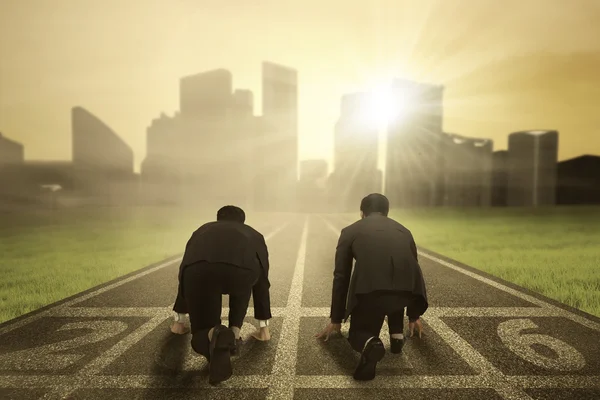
[459, 312]
[95, 366]
[475, 360]
[149, 312]
[50, 311]
[98, 364]
[300, 381]
[53, 356]
[557, 311]
[519, 342]
[556, 381]
[284, 367]
[101, 312]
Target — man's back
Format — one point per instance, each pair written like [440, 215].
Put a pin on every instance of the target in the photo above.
[226, 242]
[385, 256]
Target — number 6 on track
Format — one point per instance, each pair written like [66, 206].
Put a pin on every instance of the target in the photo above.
[569, 359]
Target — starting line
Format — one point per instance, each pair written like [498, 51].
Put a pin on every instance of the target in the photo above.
[283, 378]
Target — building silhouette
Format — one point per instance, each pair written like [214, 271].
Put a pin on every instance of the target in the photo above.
[356, 150]
[102, 161]
[215, 149]
[205, 151]
[277, 149]
[97, 147]
[532, 160]
[414, 147]
[499, 178]
[467, 171]
[11, 152]
[206, 94]
[578, 181]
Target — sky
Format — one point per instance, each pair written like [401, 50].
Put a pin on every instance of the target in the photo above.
[506, 65]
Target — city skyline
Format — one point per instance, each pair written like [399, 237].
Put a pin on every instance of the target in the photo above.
[498, 79]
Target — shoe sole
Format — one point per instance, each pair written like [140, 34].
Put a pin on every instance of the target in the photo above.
[220, 368]
[366, 372]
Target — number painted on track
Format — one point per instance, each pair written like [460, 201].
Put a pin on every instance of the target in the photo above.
[45, 357]
[569, 359]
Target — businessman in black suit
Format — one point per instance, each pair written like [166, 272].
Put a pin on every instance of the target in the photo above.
[387, 278]
[223, 257]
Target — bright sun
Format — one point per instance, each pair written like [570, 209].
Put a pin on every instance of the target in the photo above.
[384, 106]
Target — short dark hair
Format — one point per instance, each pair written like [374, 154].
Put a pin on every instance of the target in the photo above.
[375, 203]
[231, 213]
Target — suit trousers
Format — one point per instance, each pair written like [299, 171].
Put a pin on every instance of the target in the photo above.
[369, 313]
[203, 286]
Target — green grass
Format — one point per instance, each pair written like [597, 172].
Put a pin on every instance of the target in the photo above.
[53, 254]
[552, 251]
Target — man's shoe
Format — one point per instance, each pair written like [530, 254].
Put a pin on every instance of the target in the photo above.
[223, 340]
[371, 355]
[396, 345]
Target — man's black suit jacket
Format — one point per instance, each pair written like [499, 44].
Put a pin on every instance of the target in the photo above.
[231, 243]
[386, 259]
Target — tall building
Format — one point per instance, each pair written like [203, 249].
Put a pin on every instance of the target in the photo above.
[206, 151]
[532, 160]
[206, 94]
[467, 171]
[578, 180]
[97, 147]
[356, 151]
[499, 178]
[414, 146]
[277, 147]
[11, 152]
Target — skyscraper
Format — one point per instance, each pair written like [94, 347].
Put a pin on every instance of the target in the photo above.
[499, 178]
[206, 150]
[467, 171]
[11, 152]
[532, 159]
[277, 148]
[97, 147]
[414, 146]
[578, 180]
[207, 94]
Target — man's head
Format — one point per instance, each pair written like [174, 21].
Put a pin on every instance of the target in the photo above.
[374, 203]
[231, 213]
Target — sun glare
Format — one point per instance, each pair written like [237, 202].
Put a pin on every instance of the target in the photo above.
[383, 106]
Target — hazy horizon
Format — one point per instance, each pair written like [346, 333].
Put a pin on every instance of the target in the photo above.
[506, 66]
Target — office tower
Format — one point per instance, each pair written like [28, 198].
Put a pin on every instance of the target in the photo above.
[97, 147]
[500, 178]
[356, 150]
[532, 159]
[11, 152]
[578, 180]
[206, 150]
[206, 94]
[277, 150]
[414, 146]
[467, 171]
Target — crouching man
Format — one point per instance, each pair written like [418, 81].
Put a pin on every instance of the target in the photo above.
[223, 257]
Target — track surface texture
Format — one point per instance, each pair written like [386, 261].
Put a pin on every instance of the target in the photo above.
[484, 338]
